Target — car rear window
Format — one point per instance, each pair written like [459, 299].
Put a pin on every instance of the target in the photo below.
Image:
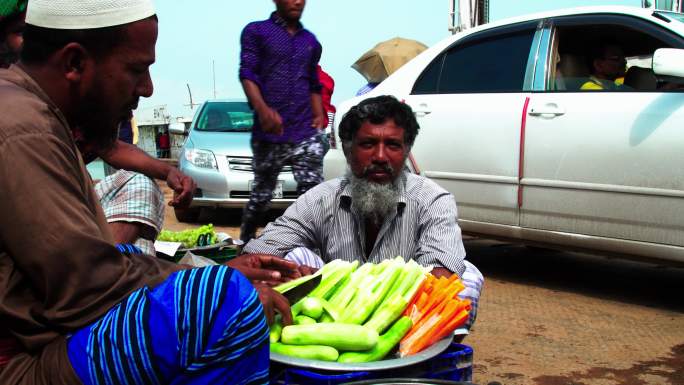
[225, 117]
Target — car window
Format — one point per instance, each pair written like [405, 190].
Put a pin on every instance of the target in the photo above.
[428, 80]
[599, 53]
[226, 117]
[494, 64]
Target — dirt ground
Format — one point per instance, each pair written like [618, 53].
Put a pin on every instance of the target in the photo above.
[559, 318]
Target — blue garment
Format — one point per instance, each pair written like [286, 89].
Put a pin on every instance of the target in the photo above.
[284, 68]
[366, 88]
[200, 326]
[126, 132]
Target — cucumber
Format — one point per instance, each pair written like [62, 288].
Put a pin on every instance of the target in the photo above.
[312, 352]
[385, 344]
[303, 320]
[339, 336]
[312, 307]
[274, 332]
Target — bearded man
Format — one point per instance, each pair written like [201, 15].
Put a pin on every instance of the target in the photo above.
[80, 310]
[378, 210]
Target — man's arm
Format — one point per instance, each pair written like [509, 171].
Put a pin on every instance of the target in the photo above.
[319, 117]
[297, 227]
[250, 65]
[129, 157]
[440, 244]
[269, 118]
[50, 230]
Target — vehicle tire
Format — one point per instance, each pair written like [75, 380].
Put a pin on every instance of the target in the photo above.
[189, 215]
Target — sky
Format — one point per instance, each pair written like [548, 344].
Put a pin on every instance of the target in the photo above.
[199, 40]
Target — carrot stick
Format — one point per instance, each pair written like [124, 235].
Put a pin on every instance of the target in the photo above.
[452, 325]
[424, 336]
[407, 343]
[422, 300]
[436, 297]
[423, 318]
[456, 288]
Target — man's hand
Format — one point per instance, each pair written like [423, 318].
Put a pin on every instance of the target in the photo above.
[306, 270]
[273, 301]
[183, 188]
[270, 269]
[270, 121]
[441, 272]
[318, 122]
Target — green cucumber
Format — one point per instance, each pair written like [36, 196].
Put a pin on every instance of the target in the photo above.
[339, 336]
[274, 332]
[303, 320]
[312, 352]
[312, 307]
[385, 344]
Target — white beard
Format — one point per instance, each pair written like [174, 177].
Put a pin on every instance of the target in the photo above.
[374, 201]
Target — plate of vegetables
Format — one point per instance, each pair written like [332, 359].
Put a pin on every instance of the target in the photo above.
[203, 240]
[370, 317]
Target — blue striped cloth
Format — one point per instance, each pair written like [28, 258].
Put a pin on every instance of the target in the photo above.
[200, 326]
[127, 248]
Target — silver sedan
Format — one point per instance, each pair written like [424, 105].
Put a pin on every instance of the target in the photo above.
[217, 154]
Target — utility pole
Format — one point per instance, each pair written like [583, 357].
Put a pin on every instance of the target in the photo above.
[190, 95]
[213, 74]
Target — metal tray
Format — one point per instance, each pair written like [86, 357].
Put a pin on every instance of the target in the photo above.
[390, 363]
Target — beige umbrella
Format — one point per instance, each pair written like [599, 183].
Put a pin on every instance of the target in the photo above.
[386, 57]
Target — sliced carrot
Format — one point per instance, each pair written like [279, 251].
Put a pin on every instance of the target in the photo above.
[452, 325]
[421, 339]
[406, 346]
[424, 297]
[423, 318]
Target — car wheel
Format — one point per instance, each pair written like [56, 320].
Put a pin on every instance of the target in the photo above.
[188, 215]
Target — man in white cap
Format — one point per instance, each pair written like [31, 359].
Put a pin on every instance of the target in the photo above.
[82, 311]
[132, 201]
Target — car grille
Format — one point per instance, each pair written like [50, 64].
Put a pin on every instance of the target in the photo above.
[245, 164]
[245, 194]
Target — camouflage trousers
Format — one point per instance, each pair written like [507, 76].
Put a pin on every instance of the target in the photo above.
[306, 159]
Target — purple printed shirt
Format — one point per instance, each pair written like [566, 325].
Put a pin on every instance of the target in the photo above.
[284, 68]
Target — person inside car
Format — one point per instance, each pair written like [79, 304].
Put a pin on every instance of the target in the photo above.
[378, 210]
[608, 65]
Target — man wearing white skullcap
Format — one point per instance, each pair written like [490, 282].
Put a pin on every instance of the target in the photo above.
[81, 310]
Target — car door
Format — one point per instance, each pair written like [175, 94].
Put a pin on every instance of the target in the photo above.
[606, 164]
[469, 104]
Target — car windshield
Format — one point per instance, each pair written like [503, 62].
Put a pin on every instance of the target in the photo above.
[674, 16]
[225, 117]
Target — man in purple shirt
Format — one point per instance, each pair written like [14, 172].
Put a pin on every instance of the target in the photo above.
[278, 73]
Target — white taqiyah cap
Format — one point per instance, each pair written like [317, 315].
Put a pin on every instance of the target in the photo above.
[86, 14]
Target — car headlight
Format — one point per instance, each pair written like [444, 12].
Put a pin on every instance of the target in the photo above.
[201, 158]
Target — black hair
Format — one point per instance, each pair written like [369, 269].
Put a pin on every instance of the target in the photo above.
[40, 43]
[598, 49]
[377, 110]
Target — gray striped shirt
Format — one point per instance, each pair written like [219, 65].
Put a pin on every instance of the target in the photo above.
[423, 226]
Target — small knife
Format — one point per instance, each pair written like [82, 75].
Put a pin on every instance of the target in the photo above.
[300, 291]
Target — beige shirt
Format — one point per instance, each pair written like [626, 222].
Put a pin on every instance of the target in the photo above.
[59, 269]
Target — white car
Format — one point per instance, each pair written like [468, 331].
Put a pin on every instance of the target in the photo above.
[531, 157]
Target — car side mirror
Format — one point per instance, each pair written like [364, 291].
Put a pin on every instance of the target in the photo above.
[177, 128]
[668, 64]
